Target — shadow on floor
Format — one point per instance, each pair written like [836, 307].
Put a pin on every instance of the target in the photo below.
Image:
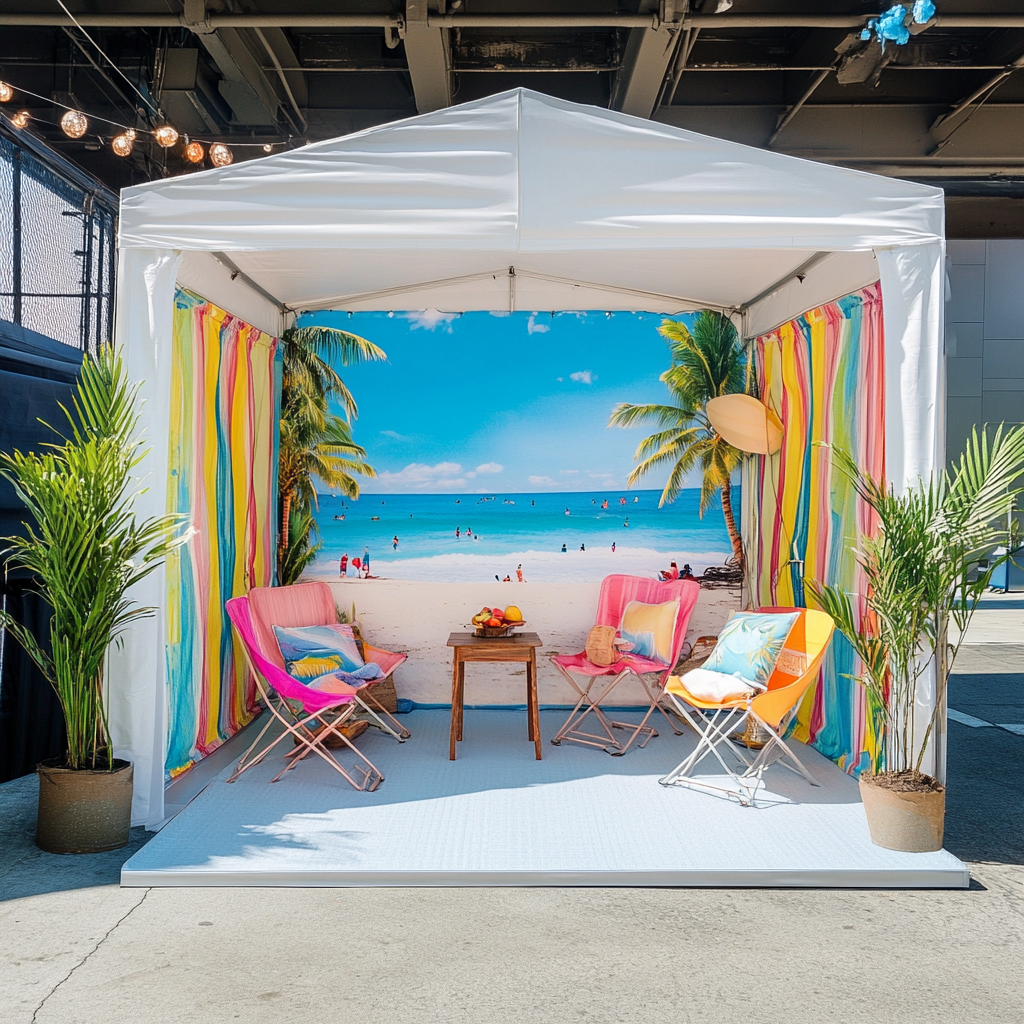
[25, 870]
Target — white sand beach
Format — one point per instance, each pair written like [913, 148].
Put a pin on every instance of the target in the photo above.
[571, 566]
[416, 617]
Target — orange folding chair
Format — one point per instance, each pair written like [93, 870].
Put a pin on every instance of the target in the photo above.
[795, 669]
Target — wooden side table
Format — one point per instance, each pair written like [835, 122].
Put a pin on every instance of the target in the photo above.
[518, 647]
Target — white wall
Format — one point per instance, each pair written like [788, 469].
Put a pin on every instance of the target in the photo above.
[415, 618]
[984, 336]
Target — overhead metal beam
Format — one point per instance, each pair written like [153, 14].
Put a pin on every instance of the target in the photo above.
[428, 56]
[648, 56]
[496, 21]
[244, 86]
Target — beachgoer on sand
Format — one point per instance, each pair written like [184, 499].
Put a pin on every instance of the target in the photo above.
[366, 562]
[343, 565]
[613, 547]
[583, 547]
[519, 574]
[564, 549]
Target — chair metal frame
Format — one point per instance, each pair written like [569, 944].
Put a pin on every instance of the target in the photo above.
[772, 710]
[322, 715]
[616, 592]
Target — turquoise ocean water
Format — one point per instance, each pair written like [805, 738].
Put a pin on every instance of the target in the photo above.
[499, 531]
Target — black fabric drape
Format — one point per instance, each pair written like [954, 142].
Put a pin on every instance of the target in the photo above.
[36, 375]
[31, 722]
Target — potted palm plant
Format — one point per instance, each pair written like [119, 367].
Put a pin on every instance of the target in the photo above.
[84, 549]
[927, 565]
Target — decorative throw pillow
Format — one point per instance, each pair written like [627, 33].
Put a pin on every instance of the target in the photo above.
[601, 646]
[312, 651]
[717, 687]
[649, 628]
[750, 643]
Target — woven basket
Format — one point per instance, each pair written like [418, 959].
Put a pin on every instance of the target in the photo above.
[699, 653]
[385, 695]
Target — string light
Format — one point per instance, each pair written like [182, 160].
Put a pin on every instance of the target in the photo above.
[74, 124]
[165, 136]
[220, 155]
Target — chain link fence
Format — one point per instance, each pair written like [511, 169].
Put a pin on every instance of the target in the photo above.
[57, 244]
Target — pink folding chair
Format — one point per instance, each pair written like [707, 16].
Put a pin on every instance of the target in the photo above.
[312, 604]
[322, 715]
[616, 593]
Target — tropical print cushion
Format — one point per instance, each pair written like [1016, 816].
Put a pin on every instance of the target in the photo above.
[750, 643]
[313, 651]
[649, 629]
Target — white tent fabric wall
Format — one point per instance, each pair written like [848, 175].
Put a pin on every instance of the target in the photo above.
[522, 201]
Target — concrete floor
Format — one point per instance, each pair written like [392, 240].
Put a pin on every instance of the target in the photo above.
[76, 949]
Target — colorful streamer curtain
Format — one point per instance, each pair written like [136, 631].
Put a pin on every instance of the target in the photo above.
[225, 407]
[823, 373]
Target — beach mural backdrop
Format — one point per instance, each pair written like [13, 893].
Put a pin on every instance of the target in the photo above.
[489, 436]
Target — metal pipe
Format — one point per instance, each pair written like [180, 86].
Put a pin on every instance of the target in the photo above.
[283, 79]
[498, 21]
[978, 93]
[795, 109]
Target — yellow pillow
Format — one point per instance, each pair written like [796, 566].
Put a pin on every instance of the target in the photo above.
[649, 628]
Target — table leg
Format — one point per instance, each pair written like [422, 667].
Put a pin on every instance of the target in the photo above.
[531, 675]
[455, 705]
[462, 696]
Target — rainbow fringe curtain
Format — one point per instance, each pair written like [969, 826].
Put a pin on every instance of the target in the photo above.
[823, 373]
[225, 407]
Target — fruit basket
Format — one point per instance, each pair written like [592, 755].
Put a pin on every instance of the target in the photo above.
[494, 622]
[505, 629]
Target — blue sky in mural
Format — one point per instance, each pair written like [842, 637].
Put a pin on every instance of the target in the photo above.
[484, 402]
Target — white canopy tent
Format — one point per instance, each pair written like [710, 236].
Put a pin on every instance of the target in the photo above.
[518, 201]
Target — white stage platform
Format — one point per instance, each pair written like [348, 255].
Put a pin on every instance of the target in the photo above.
[498, 817]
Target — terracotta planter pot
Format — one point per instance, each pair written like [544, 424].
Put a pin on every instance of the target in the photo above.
[911, 822]
[84, 811]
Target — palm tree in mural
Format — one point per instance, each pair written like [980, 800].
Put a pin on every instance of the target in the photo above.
[316, 444]
[707, 362]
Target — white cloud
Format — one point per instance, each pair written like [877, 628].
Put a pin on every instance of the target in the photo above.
[569, 472]
[543, 481]
[559, 379]
[491, 467]
[430, 319]
[418, 476]
[394, 434]
[532, 327]
[583, 377]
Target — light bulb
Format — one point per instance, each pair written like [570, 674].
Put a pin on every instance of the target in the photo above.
[6, 93]
[122, 145]
[267, 148]
[21, 119]
[194, 153]
[165, 136]
[75, 124]
[220, 155]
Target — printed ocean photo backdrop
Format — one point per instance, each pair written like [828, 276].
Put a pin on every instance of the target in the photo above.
[493, 455]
